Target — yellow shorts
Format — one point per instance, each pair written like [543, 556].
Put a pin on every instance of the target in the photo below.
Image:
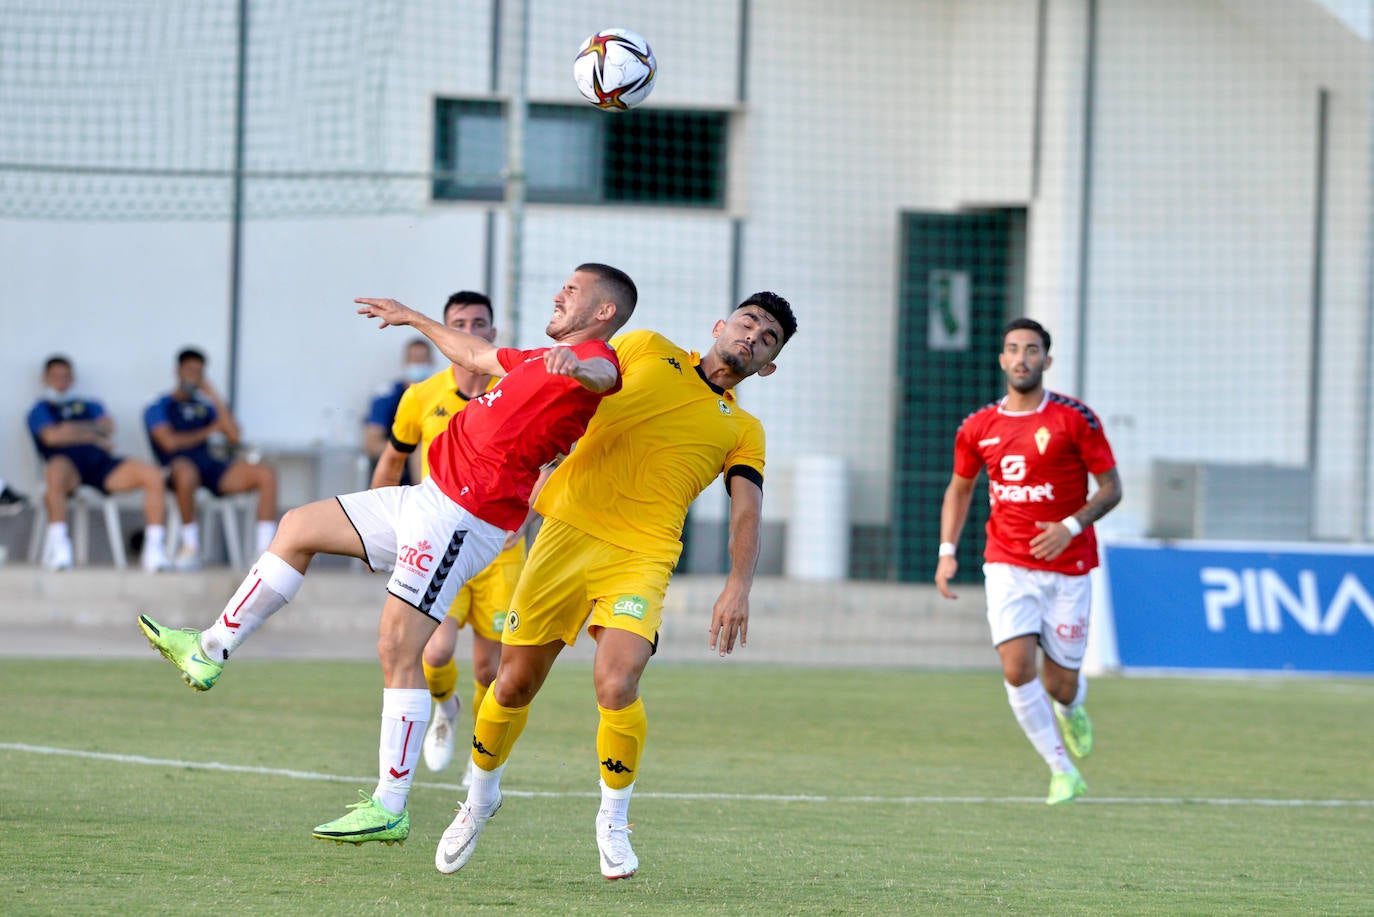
[572, 578]
[484, 600]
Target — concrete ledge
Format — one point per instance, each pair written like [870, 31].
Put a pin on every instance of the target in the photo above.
[92, 611]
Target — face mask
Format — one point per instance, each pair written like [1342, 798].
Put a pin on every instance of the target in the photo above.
[188, 388]
[418, 372]
[53, 395]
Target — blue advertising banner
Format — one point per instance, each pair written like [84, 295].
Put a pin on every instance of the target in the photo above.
[1200, 605]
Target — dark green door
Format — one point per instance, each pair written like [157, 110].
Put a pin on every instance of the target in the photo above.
[961, 280]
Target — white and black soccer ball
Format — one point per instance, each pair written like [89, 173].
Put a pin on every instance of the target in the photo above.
[615, 69]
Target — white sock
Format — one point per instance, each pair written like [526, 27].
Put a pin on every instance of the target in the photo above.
[190, 536]
[154, 537]
[485, 789]
[268, 586]
[615, 805]
[57, 531]
[405, 712]
[1078, 698]
[449, 707]
[1031, 705]
[262, 534]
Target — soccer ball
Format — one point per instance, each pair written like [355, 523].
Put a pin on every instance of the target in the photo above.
[615, 69]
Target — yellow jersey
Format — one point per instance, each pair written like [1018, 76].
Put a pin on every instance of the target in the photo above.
[424, 412]
[651, 449]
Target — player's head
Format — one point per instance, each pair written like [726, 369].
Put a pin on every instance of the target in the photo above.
[416, 360]
[57, 373]
[595, 302]
[750, 339]
[470, 311]
[190, 370]
[1025, 354]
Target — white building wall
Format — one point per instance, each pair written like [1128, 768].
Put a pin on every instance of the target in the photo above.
[1180, 366]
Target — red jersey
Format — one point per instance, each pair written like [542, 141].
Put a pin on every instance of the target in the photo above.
[1038, 463]
[489, 456]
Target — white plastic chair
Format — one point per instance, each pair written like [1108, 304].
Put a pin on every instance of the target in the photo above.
[83, 501]
[217, 514]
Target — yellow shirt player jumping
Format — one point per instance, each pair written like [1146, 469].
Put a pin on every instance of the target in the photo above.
[613, 516]
[424, 412]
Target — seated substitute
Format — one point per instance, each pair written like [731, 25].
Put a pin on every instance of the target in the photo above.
[75, 438]
[417, 365]
[179, 426]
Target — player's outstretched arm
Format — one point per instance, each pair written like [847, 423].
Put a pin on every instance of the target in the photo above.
[467, 350]
[730, 617]
[597, 374]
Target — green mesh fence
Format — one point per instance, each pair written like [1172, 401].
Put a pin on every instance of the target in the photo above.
[1179, 190]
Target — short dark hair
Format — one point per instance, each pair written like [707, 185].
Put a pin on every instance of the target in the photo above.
[777, 307]
[469, 298]
[1027, 324]
[189, 354]
[617, 287]
[56, 359]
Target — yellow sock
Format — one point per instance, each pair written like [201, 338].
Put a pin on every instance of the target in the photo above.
[495, 732]
[479, 694]
[620, 742]
[442, 681]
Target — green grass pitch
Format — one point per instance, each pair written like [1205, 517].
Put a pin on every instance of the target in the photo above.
[768, 791]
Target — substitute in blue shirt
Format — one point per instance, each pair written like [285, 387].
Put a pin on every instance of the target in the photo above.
[179, 426]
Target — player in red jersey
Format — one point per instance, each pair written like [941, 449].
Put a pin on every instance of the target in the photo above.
[1039, 449]
[436, 534]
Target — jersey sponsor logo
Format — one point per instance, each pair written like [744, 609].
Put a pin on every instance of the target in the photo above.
[1042, 439]
[724, 408]
[1013, 467]
[632, 606]
[990, 441]
[418, 557]
[1022, 493]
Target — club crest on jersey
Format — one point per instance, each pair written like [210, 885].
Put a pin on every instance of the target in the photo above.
[724, 408]
[1042, 439]
[512, 621]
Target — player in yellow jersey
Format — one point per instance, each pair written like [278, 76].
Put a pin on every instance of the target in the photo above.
[613, 516]
[424, 412]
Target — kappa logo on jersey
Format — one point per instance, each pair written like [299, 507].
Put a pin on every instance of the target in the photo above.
[1042, 439]
[632, 606]
[419, 557]
[440, 411]
[1013, 467]
[672, 361]
[724, 408]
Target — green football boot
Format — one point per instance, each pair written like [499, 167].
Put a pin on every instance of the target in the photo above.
[182, 649]
[1076, 730]
[1065, 788]
[368, 821]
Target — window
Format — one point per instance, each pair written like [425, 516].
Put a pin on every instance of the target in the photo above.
[576, 154]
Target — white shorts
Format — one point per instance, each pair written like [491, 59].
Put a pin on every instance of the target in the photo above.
[431, 545]
[1053, 605]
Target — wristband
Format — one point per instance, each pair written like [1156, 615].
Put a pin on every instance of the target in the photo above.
[946, 549]
[1073, 525]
